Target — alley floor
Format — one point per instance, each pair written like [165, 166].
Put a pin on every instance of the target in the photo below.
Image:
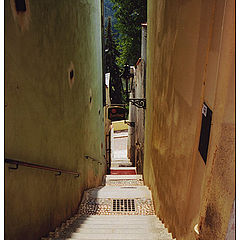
[121, 208]
[120, 164]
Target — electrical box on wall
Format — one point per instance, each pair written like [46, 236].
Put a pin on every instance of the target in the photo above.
[205, 131]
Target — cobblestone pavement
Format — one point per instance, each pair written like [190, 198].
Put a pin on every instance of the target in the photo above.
[104, 207]
[133, 189]
[94, 204]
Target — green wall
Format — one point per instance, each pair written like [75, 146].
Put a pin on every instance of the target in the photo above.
[48, 121]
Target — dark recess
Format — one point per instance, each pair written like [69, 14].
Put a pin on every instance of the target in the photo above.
[205, 132]
[71, 75]
[20, 5]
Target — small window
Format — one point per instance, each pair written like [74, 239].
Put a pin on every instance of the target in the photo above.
[20, 5]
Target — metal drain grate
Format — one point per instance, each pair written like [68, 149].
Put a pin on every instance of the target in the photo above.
[123, 205]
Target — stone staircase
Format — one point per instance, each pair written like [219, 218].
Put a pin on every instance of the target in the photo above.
[121, 227]
[120, 209]
[121, 162]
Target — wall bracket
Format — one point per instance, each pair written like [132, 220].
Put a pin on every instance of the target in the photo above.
[138, 102]
[131, 124]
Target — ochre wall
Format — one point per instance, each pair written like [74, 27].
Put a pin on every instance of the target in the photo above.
[185, 49]
[50, 120]
[219, 182]
[120, 125]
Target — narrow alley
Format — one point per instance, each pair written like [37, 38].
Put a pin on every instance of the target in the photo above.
[119, 119]
[120, 163]
[121, 208]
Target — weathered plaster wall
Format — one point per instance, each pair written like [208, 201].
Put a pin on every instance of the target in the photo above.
[107, 126]
[51, 118]
[132, 120]
[186, 59]
[219, 182]
[139, 82]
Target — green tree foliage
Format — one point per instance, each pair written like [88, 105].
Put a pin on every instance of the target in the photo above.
[109, 12]
[111, 53]
[130, 14]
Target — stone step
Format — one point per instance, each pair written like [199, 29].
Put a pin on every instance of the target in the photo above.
[123, 168]
[117, 230]
[118, 221]
[123, 177]
[116, 225]
[120, 159]
[122, 192]
[121, 163]
[122, 236]
[119, 238]
[113, 217]
[120, 135]
[123, 171]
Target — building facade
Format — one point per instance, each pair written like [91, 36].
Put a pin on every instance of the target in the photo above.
[54, 112]
[190, 117]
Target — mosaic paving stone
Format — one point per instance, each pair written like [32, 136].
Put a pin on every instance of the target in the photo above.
[104, 207]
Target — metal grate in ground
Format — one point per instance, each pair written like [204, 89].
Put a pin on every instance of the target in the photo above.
[123, 205]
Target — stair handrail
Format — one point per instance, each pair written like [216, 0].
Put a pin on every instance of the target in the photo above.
[43, 167]
[93, 159]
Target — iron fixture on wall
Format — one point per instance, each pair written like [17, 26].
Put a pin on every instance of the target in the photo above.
[131, 124]
[138, 102]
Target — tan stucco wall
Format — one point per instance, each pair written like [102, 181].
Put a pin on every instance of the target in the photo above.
[119, 125]
[50, 120]
[219, 183]
[184, 51]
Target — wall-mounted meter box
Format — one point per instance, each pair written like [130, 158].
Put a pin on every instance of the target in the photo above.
[205, 131]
